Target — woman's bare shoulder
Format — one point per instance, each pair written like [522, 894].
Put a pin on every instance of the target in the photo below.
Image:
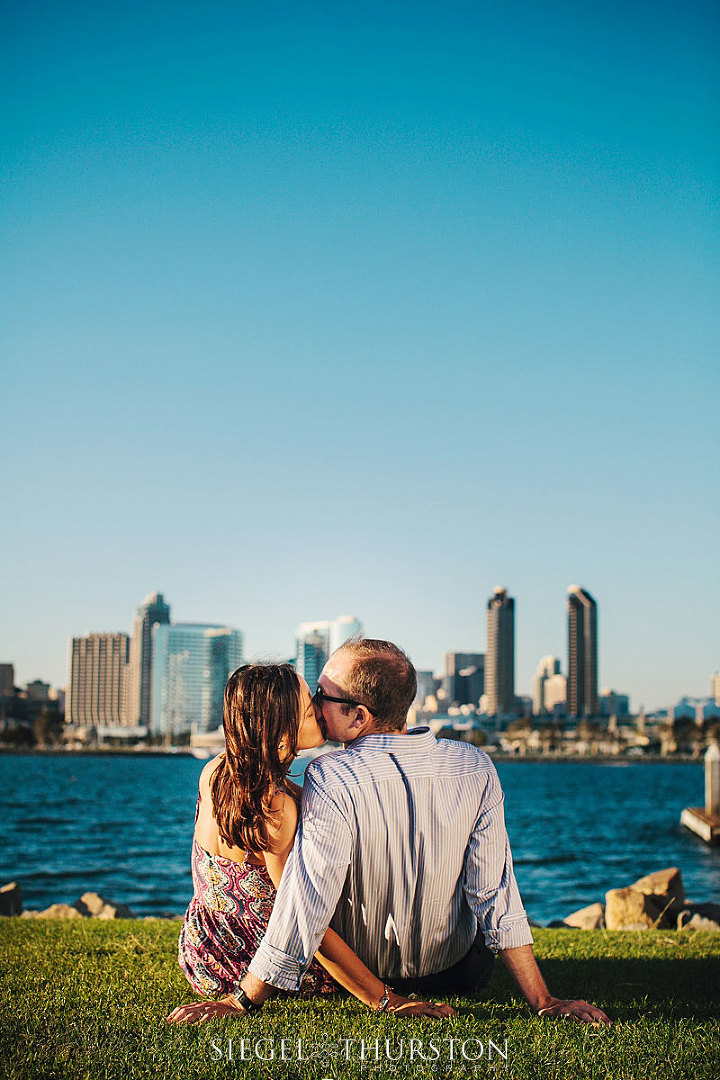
[207, 773]
[282, 820]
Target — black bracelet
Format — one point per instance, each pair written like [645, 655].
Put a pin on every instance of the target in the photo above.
[248, 1005]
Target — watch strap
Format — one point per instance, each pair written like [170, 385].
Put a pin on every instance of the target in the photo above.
[248, 1005]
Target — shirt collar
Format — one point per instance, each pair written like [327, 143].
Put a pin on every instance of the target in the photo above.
[388, 742]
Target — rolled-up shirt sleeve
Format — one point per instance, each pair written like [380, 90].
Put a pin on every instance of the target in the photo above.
[489, 879]
[309, 890]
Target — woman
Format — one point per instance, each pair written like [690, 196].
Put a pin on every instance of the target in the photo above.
[245, 824]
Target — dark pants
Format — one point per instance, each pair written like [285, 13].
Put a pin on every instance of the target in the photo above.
[469, 974]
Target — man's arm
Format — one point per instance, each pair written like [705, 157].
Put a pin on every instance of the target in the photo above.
[522, 965]
[492, 893]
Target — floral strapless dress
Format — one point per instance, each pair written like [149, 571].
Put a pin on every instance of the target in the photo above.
[225, 922]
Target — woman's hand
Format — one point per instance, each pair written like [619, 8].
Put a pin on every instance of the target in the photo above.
[402, 1006]
[199, 1012]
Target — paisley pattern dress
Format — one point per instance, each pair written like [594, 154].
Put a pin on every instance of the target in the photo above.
[225, 922]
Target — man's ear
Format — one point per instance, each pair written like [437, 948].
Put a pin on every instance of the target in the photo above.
[358, 721]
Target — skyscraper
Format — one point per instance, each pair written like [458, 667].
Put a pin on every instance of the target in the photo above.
[582, 695]
[98, 680]
[342, 629]
[464, 678]
[500, 655]
[223, 654]
[190, 663]
[7, 680]
[715, 688]
[547, 669]
[152, 611]
[315, 641]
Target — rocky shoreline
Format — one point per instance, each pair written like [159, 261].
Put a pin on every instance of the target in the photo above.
[89, 906]
[654, 902]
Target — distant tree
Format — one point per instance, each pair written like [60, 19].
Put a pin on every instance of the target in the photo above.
[47, 727]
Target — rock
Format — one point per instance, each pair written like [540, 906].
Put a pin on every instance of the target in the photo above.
[652, 901]
[59, 911]
[626, 909]
[587, 918]
[11, 899]
[667, 883]
[30, 914]
[699, 917]
[91, 904]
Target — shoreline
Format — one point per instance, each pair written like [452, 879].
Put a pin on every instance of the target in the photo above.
[529, 759]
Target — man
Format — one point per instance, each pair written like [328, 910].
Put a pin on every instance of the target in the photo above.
[402, 846]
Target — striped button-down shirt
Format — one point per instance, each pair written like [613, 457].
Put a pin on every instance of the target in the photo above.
[402, 849]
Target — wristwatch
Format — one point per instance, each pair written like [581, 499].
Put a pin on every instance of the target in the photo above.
[384, 1000]
[248, 1005]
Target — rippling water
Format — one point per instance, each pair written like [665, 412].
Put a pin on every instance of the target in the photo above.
[122, 826]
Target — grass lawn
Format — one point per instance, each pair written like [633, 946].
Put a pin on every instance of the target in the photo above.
[88, 999]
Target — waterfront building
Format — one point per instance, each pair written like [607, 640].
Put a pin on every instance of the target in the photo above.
[582, 695]
[343, 629]
[223, 655]
[7, 680]
[500, 655]
[613, 704]
[464, 678]
[98, 680]
[151, 612]
[190, 660]
[37, 690]
[707, 713]
[548, 667]
[715, 688]
[427, 684]
[315, 641]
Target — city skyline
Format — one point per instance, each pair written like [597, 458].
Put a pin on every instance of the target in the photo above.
[460, 258]
[460, 674]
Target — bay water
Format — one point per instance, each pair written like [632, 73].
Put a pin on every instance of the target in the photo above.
[121, 825]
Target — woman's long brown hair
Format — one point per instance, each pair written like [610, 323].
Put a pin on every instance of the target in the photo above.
[261, 709]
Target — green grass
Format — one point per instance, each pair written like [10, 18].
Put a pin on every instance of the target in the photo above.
[88, 999]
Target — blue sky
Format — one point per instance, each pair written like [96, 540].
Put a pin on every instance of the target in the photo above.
[310, 309]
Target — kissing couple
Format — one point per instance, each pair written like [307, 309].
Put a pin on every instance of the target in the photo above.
[388, 875]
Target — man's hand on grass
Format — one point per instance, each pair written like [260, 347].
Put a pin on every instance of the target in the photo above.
[578, 1010]
[199, 1012]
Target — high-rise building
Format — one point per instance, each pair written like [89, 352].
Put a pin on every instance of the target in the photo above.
[315, 641]
[7, 680]
[464, 678]
[582, 694]
[151, 612]
[548, 667]
[343, 629]
[427, 686]
[556, 695]
[500, 655]
[715, 688]
[98, 680]
[224, 654]
[190, 663]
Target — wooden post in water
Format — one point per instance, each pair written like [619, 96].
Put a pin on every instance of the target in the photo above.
[705, 822]
[712, 780]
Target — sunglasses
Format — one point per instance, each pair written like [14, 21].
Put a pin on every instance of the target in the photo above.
[319, 696]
